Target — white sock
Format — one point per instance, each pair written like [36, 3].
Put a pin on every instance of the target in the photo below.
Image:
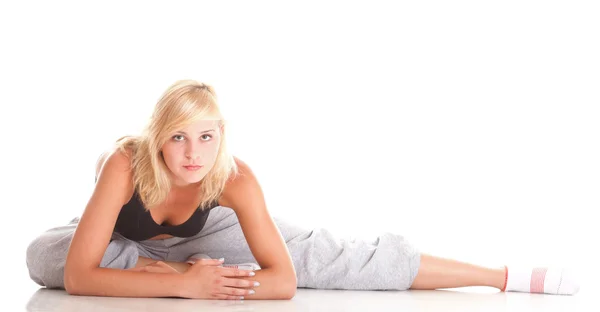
[556, 281]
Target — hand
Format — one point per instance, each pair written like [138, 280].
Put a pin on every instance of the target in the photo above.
[207, 279]
[156, 267]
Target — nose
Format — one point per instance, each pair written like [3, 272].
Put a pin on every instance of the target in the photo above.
[191, 155]
[192, 151]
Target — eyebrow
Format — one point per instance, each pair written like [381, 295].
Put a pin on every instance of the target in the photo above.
[205, 131]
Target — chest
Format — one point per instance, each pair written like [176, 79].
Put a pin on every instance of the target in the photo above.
[178, 215]
[175, 210]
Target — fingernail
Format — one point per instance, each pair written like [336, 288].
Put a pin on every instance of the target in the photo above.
[251, 273]
[251, 292]
[256, 284]
[190, 262]
[221, 259]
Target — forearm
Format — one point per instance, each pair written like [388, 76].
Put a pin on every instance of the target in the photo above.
[181, 267]
[273, 285]
[125, 283]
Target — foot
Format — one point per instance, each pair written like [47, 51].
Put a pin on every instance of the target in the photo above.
[555, 281]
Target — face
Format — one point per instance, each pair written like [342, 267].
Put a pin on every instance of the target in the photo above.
[190, 153]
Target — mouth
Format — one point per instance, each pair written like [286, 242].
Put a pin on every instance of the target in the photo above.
[192, 168]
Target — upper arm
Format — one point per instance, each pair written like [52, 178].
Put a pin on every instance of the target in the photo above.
[96, 224]
[100, 162]
[244, 195]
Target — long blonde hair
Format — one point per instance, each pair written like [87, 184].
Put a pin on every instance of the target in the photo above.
[183, 103]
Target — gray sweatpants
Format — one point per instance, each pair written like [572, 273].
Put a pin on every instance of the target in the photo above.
[321, 260]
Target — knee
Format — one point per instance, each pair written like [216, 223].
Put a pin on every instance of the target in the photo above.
[44, 261]
[33, 250]
[32, 257]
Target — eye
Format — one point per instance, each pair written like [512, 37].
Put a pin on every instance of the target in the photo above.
[177, 138]
[208, 135]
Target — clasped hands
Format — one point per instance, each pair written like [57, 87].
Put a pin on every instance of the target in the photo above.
[208, 279]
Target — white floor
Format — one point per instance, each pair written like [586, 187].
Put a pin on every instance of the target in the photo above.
[464, 299]
[22, 294]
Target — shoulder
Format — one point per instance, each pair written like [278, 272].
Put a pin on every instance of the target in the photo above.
[114, 168]
[120, 154]
[114, 179]
[243, 176]
[241, 186]
[114, 158]
[243, 167]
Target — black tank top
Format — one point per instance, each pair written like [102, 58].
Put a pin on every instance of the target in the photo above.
[135, 223]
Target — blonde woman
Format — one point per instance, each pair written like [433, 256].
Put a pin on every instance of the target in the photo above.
[169, 202]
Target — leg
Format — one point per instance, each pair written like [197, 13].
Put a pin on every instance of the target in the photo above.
[321, 260]
[436, 272]
[389, 263]
[46, 255]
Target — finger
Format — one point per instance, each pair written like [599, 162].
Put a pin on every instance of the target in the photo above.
[157, 269]
[235, 272]
[155, 264]
[166, 266]
[202, 261]
[152, 269]
[240, 266]
[138, 269]
[239, 283]
[232, 291]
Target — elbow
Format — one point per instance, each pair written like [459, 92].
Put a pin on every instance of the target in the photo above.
[289, 291]
[289, 295]
[72, 281]
[71, 291]
[70, 284]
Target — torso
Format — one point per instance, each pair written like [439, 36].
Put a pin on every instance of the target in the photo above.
[179, 206]
[176, 210]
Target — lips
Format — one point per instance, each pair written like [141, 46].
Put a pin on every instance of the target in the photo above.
[192, 167]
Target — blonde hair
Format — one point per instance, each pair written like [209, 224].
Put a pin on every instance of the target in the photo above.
[183, 103]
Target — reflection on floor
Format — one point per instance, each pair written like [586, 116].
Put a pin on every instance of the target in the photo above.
[463, 299]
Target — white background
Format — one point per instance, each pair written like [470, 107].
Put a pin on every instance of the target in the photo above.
[471, 128]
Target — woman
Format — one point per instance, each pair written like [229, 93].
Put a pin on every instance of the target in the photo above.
[170, 200]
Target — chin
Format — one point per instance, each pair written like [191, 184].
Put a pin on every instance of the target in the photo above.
[192, 179]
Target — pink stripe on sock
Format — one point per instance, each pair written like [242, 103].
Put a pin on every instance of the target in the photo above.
[537, 280]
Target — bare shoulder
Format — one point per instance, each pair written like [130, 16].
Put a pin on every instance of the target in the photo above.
[114, 170]
[240, 186]
[117, 158]
[243, 175]
[243, 167]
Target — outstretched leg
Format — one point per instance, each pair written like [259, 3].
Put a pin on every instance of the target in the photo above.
[436, 272]
[321, 260]
[324, 261]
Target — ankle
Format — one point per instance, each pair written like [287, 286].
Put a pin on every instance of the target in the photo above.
[498, 278]
[504, 281]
